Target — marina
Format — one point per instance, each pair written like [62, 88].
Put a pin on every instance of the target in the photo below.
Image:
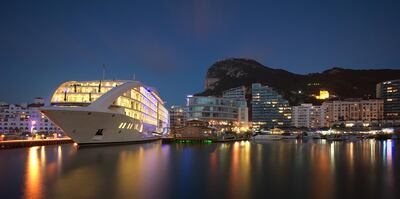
[199, 99]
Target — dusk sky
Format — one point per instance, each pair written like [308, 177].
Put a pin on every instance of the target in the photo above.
[170, 44]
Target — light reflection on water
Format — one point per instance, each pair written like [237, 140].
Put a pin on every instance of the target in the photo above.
[284, 169]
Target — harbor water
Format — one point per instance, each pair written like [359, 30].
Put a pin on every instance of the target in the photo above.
[244, 169]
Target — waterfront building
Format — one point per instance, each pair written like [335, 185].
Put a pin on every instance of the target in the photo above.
[25, 118]
[309, 116]
[389, 91]
[221, 113]
[352, 112]
[239, 95]
[194, 129]
[177, 116]
[269, 109]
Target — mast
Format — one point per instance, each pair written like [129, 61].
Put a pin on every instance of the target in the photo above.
[104, 72]
[104, 75]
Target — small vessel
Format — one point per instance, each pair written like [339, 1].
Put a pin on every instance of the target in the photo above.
[353, 137]
[344, 137]
[289, 136]
[226, 138]
[308, 136]
[111, 111]
[335, 137]
[261, 137]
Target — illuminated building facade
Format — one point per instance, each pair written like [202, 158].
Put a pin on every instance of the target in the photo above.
[221, 113]
[239, 95]
[389, 91]
[269, 109]
[177, 116]
[93, 112]
[352, 112]
[25, 118]
[309, 116]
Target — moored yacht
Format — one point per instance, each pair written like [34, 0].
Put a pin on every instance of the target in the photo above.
[112, 111]
[262, 137]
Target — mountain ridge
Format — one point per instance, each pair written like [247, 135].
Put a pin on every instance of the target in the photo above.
[341, 82]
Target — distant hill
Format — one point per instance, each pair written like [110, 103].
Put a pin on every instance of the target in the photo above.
[343, 83]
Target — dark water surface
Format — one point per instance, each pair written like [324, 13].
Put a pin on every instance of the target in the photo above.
[276, 169]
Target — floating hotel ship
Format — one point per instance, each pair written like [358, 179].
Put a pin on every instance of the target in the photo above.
[104, 112]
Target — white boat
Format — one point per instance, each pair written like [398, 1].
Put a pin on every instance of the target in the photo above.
[104, 112]
[308, 136]
[262, 137]
[289, 136]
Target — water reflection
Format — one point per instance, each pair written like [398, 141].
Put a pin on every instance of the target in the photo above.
[33, 181]
[279, 169]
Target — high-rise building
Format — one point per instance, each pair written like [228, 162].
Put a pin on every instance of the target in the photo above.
[25, 118]
[269, 109]
[309, 116]
[239, 95]
[177, 116]
[221, 113]
[389, 91]
[354, 111]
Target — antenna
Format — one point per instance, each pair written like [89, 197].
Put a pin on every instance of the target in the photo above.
[104, 71]
[134, 77]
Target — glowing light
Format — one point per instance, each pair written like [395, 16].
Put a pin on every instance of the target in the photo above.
[323, 94]
[33, 182]
[388, 130]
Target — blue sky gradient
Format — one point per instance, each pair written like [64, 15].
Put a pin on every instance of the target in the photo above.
[170, 44]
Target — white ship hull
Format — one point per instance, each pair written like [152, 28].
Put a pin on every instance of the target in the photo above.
[86, 126]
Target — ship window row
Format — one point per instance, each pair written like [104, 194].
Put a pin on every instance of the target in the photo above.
[124, 125]
[75, 88]
[93, 89]
[82, 91]
[139, 102]
[141, 116]
[141, 97]
[148, 118]
[138, 106]
[75, 97]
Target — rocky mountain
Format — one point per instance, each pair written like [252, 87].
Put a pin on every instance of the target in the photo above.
[297, 88]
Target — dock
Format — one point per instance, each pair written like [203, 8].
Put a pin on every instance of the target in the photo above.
[168, 140]
[28, 143]
[231, 140]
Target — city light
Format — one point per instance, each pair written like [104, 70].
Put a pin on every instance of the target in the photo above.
[323, 94]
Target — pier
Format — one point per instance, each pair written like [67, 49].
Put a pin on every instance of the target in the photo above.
[168, 140]
[28, 143]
